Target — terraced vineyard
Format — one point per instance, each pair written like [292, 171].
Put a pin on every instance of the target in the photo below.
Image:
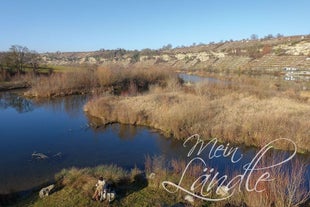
[264, 56]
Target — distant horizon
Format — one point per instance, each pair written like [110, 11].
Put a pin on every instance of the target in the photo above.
[86, 26]
[173, 47]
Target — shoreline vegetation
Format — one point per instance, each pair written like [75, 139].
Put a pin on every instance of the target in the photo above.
[14, 85]
[113, 79]
[143, 187]
[238, 110]
[241, 111]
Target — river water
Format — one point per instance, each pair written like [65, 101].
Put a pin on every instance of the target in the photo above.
[197, 79]
[59, 129]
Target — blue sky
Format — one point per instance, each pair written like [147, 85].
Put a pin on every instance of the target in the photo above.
[86, 25]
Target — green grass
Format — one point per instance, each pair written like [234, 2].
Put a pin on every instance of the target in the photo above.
[65, 68]
[76, 186]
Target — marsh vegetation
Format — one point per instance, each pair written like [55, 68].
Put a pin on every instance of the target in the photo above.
[113, 79]
[143, 187]
[238, 110]
[241, 110]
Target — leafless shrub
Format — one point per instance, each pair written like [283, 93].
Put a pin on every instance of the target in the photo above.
[290, 187]
[234, 117]
[60, 84]
[128, 81]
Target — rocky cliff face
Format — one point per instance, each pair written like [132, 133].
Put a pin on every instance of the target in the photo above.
[269, 55]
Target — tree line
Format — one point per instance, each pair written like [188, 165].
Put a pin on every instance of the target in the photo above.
[18, 59]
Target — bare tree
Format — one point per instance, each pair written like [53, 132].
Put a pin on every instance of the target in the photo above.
[268, 37]
[279, 35]
[18, 58]
[18, 55]
[2, 56]
[33, 59]
[167, 47]
[7, 62]
[254, 37]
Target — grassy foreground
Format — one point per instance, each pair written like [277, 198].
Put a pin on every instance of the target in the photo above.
[136, 188]
[244, 112]
[236, 114]
[75, 187]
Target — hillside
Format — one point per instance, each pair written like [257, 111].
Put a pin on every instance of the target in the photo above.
[269, 55]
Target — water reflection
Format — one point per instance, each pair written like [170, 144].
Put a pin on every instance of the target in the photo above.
[13, 100]
[60, 125]
[197, 79]
[72, 105]
[127, 132]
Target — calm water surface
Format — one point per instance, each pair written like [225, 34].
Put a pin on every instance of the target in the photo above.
[60, 127]
[197, 79]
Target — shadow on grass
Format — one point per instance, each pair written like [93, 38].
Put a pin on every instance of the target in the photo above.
[21, 197]
[125, 186]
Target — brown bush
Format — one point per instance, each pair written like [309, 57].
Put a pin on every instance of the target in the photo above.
[122, 80]
[289, 187]
[60, 84]
[216, 111]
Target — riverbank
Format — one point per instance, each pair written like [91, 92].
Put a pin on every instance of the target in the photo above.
[236, 114]
[111, 79]
[136, 187]
[5, 86]
[75, 187]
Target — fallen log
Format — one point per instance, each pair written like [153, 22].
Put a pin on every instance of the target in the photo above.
[13, 85]
[39, 156]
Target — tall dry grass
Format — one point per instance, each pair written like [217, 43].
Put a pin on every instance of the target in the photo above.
[158, 169]
[262, 86]
[74, 187]
[114, 74]
[4, 76]
[114, 78]
[130, 81]
[289, 187]
[211, 111]
[60, 84]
